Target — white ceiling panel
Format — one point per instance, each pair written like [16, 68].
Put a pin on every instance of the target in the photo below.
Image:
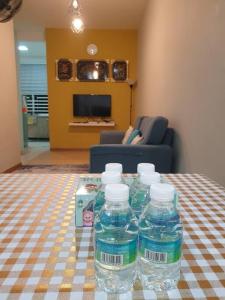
[97, 14]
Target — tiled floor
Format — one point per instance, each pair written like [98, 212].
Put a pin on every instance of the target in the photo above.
[38, 153]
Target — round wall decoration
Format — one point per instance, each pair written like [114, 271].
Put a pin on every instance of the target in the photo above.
[92, 49]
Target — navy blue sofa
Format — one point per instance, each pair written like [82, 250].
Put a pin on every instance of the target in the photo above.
[156, 147]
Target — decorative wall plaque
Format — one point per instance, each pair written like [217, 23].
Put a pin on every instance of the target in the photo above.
[92, 70]
[92, 49]
[119, 70]
[64, 69]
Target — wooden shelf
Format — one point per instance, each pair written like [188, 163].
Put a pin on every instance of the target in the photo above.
[92, 124]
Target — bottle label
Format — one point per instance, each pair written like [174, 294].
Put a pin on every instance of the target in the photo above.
[160, 252]
[116, 255]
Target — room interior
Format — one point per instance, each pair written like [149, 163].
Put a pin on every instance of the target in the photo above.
[177, 66]
[129, 88]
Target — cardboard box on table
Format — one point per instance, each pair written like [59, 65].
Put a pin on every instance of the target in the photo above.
[85, 195]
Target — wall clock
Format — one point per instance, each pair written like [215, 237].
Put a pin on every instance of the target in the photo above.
[92, 49]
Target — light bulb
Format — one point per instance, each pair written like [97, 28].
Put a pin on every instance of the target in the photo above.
[75, 4]
[77, 25]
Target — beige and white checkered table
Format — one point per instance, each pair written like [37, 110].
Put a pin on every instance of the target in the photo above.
[43, 256]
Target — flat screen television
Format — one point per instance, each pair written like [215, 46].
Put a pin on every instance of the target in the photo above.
[89, 105]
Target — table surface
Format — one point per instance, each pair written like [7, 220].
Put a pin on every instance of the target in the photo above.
[43, 256]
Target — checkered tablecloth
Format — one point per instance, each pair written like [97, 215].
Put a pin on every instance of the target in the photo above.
[43, 256]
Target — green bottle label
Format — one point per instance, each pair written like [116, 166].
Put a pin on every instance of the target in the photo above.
[160, 252]
[116, 254]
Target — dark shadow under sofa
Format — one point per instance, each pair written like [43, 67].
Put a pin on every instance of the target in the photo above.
[156, 147]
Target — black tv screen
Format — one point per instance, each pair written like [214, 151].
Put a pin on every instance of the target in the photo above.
[88, 105]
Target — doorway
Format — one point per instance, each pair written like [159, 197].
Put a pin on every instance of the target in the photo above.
[34, 96]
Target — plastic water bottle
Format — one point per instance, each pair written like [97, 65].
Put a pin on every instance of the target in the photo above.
[140, 196]
[160, 240]
[141, 168]
[116, 237]
[106, 178]
[114, 167]
[176, 193]
[145, 167]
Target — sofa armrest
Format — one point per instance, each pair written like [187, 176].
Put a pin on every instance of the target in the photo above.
[130, 155]
[111, 137]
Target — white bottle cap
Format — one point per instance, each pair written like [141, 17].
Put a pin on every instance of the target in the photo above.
[145, 167]
[116, 192]
[110, 177]
[150, 178]
[162, 192]
[114, 167]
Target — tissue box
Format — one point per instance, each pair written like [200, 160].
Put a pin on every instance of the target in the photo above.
[85, 195]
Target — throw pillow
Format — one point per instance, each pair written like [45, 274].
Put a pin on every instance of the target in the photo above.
[137, 140]
[134, 133]
[127, 134]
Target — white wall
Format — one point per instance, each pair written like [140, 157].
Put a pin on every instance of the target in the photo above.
[182, 77]
[9, 129]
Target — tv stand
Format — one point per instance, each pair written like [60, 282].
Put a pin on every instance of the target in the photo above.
[103, 123]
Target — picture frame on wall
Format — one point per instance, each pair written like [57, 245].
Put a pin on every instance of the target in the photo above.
[119, 70]
[92, 70]
[64, 69]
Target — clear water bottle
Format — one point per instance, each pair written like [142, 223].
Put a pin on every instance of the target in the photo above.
[140, 196]
[160, 240]
[116, 237]
[114, 167]
[145, 168]
[141, 168]
[176, 193]
[106, 178]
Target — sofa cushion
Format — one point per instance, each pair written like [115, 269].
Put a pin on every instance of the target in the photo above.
[137, 123]
[127, 135]
[134, 133]
[168, 137]
[153, 130]
[137, 140]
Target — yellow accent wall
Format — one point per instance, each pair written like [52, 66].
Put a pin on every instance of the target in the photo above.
[63, 43]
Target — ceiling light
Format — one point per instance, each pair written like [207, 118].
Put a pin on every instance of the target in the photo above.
[75, 4]
[22, 48]
[77, 25]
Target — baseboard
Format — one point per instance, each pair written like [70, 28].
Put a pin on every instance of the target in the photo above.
[12, 169]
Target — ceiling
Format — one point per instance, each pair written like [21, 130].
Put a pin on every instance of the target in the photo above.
[97, 14]
[36, 49]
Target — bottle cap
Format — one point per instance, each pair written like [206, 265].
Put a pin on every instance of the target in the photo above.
[150, 178]
[110, 177]
[116, 192]
[162, 192]
[145, 167]
[114, 167]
